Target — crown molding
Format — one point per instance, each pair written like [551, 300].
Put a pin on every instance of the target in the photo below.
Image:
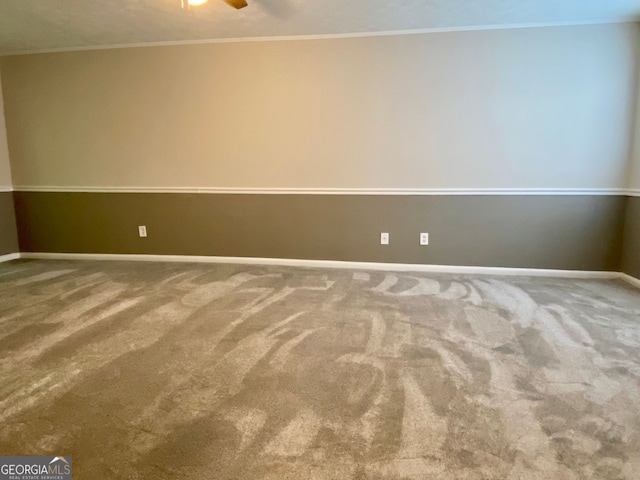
[329, 36]
[327, 191]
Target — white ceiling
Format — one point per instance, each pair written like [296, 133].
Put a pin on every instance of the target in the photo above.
[33, 25]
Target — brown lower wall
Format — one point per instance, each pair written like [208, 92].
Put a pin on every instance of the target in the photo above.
[8, 232]
[631, 250]
[560, 232]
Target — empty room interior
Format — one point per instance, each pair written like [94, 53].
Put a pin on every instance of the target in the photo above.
[325, 240]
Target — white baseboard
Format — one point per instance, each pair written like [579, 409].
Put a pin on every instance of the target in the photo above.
[9, 256]
[398, 267]
[629, 279]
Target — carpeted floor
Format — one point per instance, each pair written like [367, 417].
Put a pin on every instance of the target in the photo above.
[189, 371]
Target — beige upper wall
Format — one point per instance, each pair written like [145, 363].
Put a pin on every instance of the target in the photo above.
[5, 168]
[526, 108]
[633, 181]
[634, 176]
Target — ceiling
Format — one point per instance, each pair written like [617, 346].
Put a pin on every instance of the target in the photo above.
[38, 25]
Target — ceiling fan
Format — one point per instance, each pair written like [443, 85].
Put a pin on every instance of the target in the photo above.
[186, 4]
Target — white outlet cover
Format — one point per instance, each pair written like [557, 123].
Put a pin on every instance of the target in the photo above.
[142, 231]
[384, 238]
[424, 239]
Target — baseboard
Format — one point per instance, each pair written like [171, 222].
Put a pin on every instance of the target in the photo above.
[629, 279]
[9, 256]
[398, 267]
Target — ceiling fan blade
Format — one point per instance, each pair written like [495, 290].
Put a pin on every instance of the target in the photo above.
[236, 3]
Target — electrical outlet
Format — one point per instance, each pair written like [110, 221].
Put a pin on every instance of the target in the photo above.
[424, 239]
[384, 238]
[142, 231]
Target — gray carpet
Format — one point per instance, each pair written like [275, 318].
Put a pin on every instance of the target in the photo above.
[188, 371]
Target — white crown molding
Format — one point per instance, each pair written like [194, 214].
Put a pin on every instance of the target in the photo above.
[8, 257]
[470, 28]
[328, 191]
[287, 262]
